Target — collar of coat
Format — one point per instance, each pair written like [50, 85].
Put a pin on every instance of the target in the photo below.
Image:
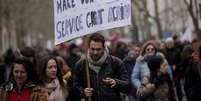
[10, 86]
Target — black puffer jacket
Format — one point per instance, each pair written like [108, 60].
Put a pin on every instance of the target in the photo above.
[113, 68]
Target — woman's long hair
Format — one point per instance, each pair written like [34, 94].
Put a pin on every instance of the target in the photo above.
[63, 65]
[27, 66]
[41, 70]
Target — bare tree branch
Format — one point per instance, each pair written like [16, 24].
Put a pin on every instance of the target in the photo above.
[196, 10]
[186, 2]
[158, 21]
[194, 15]
[143, 8]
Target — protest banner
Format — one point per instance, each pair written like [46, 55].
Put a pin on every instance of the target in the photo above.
[76, 18]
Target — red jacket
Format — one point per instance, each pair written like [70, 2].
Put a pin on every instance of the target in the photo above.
[15, 96]
[30, 92]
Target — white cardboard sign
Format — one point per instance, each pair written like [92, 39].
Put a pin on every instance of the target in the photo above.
[76, 18]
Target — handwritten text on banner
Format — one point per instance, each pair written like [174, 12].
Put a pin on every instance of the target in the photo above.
[75, 18]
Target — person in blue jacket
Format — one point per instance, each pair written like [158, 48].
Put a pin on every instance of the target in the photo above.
[141, 69]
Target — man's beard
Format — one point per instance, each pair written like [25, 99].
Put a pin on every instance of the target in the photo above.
[95, 58]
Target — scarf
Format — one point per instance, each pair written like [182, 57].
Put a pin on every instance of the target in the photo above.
[147, 58]
[54, 91]
[96, 65]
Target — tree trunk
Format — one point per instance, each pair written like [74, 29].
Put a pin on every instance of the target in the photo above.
[157, 19]
[1, 13]
[194, 15]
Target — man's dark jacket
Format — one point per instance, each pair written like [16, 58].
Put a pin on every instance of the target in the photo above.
[113, 68]
[129, 64]
[192, 84]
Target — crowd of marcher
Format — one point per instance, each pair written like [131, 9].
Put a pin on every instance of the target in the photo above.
[166, 70]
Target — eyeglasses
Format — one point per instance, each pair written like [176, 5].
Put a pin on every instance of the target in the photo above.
[150, 49]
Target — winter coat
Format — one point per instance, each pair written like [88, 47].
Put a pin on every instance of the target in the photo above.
[2, 74]
[129, 64]
[192, 84]
[113, 68]
[30, 92]
[72, 59]
[173, 56]
[141, 70]
[164, 89]
[161, 91]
